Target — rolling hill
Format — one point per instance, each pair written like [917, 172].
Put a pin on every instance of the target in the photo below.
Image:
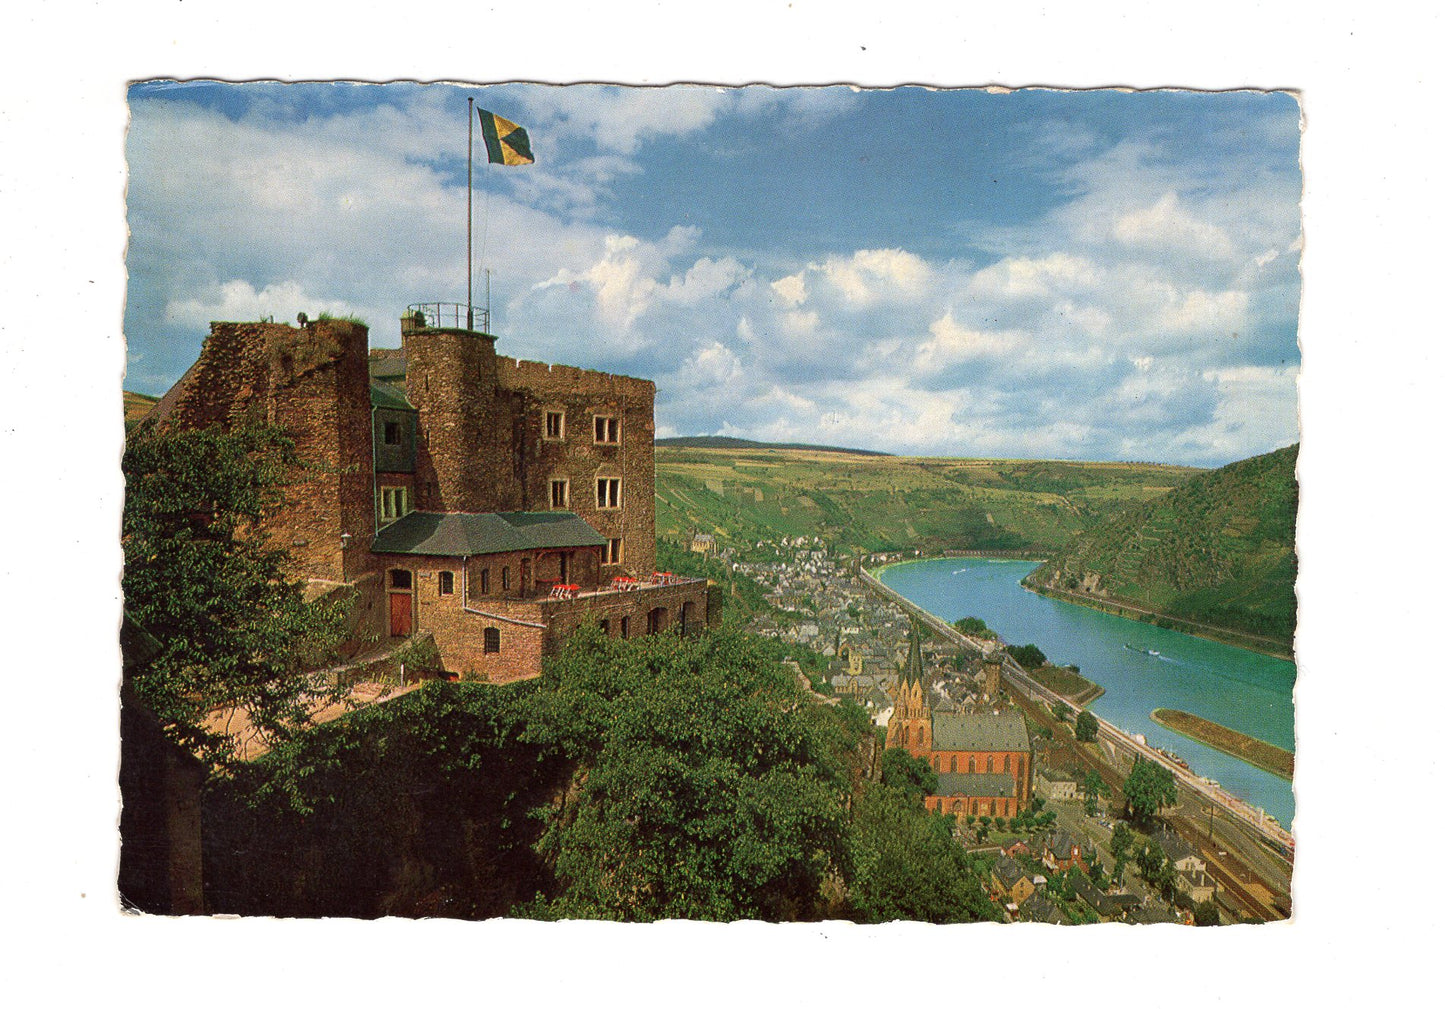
[867, 502]
[1217, 550]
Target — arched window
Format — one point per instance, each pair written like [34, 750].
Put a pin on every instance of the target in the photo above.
[992, 807]
[990, 765]
[491, 639]
[506, 578]
[972, 769]
[953, 764]
[938, 763]
[975, 807]
[1005, 764]
[905, 735]
[958, 805]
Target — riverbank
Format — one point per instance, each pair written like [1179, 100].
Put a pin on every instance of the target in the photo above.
[1265, 756]
[1145, 615]
[1130, 610]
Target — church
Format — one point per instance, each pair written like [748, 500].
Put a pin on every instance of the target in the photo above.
[983, 760]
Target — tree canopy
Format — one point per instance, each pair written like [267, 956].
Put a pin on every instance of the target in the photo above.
[1148, 789]
[1086, 727]
[709, 789]
[1029, 656]
[227, 627]
[915, 775]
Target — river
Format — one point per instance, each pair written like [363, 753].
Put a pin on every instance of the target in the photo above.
[1244, 690]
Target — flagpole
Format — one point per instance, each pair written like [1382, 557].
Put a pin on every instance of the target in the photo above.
[469, 211]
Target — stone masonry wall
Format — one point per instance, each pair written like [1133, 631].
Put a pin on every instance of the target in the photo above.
[580, 459]
[313, 383]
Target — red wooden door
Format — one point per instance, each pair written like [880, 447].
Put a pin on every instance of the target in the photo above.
[400, 614]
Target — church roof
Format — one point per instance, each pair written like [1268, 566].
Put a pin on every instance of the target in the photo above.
[1005, 733]
[982, 786]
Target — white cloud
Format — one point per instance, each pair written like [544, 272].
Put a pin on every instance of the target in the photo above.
[1167, 225]
[870, 274]
[237, 300]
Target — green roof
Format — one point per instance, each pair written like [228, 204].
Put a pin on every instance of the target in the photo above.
[389, 397]
[470, 534]
[1000, 733]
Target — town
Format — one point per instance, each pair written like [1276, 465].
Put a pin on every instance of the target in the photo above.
[1063, 856]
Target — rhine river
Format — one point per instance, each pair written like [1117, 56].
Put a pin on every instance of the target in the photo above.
[1244, 690]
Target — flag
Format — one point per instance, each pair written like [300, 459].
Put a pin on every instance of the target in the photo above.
[507, 142]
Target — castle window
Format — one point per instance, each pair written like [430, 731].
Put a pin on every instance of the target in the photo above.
[559, 493]
[604, 430]
[506, 578]
[990, 765]
[905, 735]
[972, 769]
[445, 583]
[1005, 764]
[614, 551]
[609, 492]
[626, 627]
[391, 433]
[952, 765]
[486, 581]
[395, 502]
[491, 640]
[555, 424]
[400, 578]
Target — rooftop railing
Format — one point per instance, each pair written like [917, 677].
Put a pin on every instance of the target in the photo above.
[445, 315]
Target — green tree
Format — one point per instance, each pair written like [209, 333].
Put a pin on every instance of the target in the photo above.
[708, 786]
[229, 629]
[1207, 914]
[1148, 789]
[914, 775]
[1029, 656]
[974, 626]
[1086, 727]
[908, 866]
[1061, 711]
[1094, 788]
[1121, 844]
[1156, 869]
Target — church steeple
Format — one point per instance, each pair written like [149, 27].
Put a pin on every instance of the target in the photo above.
[913, 668]
[911, 724]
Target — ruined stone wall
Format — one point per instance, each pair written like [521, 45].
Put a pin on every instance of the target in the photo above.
[313, 383]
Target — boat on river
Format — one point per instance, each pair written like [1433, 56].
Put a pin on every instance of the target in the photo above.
[1153, 652]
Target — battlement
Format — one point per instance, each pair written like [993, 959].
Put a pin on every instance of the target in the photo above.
[563, 379]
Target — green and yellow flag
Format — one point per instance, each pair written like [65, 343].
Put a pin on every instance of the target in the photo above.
[507, 143]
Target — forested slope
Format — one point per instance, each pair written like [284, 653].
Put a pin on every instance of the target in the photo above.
[1217, 550]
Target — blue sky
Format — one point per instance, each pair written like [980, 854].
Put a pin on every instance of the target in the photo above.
[1039, 274]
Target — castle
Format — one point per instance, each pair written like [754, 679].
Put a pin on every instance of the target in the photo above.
[492, 503]
[983, 760]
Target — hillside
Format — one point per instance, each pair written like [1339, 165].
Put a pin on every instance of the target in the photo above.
[887, 503]
[723, 441]
[1217, 550]
[137, 405]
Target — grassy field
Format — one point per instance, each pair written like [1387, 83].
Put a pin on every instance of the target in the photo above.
[1068, 683]
[887, 503]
